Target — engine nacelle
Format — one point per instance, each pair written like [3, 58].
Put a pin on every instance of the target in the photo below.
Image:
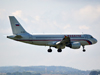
[74, 45]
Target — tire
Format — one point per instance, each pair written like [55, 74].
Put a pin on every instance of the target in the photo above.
[49, 50]
[84, 50]
[59, 50]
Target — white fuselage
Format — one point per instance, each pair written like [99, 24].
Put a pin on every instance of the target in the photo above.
[49, 40]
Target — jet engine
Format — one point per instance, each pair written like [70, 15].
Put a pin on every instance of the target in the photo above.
[74, 45]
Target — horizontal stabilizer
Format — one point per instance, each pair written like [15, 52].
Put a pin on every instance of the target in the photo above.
[14, 36]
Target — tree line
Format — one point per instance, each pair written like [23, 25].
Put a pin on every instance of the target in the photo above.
[23, 73]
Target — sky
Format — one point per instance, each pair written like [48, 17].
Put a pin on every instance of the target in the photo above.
[50, 16]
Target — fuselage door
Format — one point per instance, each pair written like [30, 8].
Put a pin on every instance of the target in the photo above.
[30, 37]
[85, 36]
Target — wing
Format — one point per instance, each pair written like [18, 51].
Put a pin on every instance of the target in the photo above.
[63, 42]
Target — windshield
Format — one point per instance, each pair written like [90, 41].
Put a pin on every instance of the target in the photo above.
[91, 37]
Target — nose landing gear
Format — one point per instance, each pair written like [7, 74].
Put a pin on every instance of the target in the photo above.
[83, 48]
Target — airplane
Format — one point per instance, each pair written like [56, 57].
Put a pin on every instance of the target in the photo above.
[74, 41]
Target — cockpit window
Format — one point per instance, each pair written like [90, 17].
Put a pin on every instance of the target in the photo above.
[91, 37]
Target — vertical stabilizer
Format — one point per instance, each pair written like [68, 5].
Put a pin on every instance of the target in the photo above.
[16, 26]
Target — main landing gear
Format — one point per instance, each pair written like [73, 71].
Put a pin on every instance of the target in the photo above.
[83, 48]
[50, 50]
[59, 50]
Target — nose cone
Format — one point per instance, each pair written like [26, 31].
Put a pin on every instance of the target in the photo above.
[95, 41]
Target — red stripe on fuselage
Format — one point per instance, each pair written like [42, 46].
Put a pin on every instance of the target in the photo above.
[60, 40]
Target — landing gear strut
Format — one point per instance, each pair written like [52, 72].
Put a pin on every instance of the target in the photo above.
[83, 48]
[49, 50]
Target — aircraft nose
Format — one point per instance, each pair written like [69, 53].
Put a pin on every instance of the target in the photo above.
[95, 41]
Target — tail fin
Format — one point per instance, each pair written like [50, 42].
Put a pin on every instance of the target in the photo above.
[16, 26]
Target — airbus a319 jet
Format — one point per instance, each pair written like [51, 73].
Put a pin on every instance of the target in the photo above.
[58, 41]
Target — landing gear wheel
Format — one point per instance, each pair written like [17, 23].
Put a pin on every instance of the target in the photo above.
[59, 50]
[84, 50]
[49, 50]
